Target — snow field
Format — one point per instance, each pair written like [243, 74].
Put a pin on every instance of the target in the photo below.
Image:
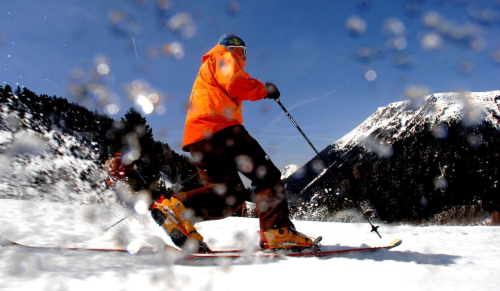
[430, 258]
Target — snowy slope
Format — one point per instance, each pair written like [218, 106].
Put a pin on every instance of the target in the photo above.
[48, 165]
[430, 258]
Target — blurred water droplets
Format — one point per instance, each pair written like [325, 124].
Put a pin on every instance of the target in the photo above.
[318, 166]
[472, 113]
[377, 146]
[439, 131]
[478, 43]
[244, 163]
[88, 84]
[183, 25]
[440, 182]
[145, 97]
[370, 75]
[142, 202]
[101, 63]
[432, 41]
[123, 24]
[163, 5]
[134, 247]
[122, 237]
[24, 264]
[25, 143]
[443, 29]
[234, 8]
[495, 56]
[174, 49]
[484, 14]
[394, 27]
[132, 148]
[403, 60]
[355, 25]
[431, 19]
[416, 95]
[366, 54]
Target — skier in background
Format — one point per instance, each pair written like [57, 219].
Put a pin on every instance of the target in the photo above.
[221, 147]
[116, 170]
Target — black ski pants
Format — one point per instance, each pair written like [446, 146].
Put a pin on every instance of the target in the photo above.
[219, 158]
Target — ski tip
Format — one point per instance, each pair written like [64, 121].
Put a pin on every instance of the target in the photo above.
[5, 242]
[396, 243]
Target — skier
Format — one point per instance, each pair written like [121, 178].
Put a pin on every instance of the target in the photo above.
[116, 170]
[221, 146]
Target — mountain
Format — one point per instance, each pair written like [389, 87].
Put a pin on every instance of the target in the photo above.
[288, 170]
[411, 161]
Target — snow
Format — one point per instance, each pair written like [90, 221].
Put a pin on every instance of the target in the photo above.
[49, 166]
[288, 170]
[430, 258]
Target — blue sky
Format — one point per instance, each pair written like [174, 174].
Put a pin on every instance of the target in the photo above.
[335, 62]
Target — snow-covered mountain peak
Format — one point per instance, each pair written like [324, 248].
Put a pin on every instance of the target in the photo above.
[288, 170]
[389, 122]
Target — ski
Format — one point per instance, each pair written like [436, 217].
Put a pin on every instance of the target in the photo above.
[235, 254]
[215, 254]
[119, 250]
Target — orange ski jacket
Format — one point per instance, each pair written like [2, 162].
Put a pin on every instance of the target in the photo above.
[217, 94]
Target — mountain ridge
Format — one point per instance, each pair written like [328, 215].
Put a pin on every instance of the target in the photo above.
[464, 122]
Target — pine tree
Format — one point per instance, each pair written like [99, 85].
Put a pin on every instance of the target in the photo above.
[2, 98]
[137, 139]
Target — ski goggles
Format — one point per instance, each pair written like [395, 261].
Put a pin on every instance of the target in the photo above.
[241, 47]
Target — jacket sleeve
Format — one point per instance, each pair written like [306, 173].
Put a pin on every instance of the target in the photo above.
[238, 83]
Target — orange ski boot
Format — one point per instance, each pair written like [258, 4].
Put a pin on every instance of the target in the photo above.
[171, 215]
[288, 238]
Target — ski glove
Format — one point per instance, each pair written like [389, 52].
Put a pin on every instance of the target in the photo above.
[272, 91]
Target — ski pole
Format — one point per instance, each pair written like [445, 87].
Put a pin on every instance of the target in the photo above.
[374, 228]
[139, 173]
[114, 224]
[118, 222]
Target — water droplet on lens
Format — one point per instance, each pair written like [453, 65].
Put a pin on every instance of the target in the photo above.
[355, 25]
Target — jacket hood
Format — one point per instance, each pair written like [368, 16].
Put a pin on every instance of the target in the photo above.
[220, 49]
